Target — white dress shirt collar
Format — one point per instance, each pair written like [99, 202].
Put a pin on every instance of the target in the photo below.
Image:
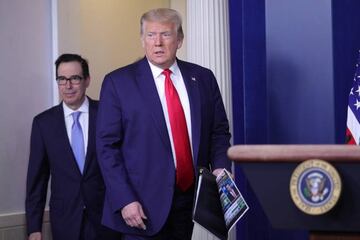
[84, 108]
[156, 71]
[83, 120]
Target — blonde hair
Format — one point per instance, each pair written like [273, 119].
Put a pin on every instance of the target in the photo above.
[163, 15]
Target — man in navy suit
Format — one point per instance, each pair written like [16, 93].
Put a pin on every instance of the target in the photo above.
[77, 186]
[138, 129]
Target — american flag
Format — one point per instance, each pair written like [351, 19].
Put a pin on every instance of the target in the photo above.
[353, 113]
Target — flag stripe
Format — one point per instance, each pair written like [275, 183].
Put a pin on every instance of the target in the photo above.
[353, 110]
[353, 127]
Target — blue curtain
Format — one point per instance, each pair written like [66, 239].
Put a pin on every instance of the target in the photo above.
[346, 43]
[249, 90]
[248, 57]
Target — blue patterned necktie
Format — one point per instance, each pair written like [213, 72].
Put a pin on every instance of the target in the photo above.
[77, 141]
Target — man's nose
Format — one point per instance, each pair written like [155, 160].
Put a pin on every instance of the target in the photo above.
[158, 40]
[68, 84]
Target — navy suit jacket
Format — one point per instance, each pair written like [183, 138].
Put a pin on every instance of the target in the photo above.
[51, 154]
[133, 144]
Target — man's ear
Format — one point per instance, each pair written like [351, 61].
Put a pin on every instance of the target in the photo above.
[142, 41]
[87, 81]
[180, 42]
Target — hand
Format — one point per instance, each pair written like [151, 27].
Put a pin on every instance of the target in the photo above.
[217, 171]
[35, 236]
[133, 215]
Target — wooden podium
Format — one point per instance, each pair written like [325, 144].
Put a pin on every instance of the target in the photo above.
[268, 169]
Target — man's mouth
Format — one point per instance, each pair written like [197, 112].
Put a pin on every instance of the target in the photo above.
[159, 52]
[69, 93]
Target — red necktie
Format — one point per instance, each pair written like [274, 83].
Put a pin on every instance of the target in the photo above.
[184, 165]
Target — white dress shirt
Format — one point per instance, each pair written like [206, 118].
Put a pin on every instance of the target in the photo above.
[179, 84]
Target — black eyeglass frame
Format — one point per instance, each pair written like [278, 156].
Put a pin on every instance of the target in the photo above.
[74, 80]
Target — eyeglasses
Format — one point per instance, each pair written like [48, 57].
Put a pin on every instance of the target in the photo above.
[74, 80]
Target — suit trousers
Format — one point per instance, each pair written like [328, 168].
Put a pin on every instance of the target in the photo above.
[91, 231]
[179, 225]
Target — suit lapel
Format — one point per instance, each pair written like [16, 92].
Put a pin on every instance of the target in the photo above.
[91, 135]
[147, 87]
[61, 134]
[148, 90]
[192, 87]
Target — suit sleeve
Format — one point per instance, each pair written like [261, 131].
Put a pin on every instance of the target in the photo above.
[220, 135]
[109, 137]
[37, 180]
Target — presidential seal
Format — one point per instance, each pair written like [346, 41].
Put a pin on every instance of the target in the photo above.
[315, 187]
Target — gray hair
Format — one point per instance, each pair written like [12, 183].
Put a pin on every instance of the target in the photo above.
[163, 15]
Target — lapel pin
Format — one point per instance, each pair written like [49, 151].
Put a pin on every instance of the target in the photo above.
[193, 78]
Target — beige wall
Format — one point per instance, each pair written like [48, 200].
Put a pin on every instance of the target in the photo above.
[26, 78]
[108, 35]
[104, 32]
[180, 6]
[25, 67]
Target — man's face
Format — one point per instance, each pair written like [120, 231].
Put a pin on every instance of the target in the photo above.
[160, 42]
[73, 94]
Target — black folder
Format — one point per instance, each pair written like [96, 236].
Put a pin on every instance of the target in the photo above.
[207, 207]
